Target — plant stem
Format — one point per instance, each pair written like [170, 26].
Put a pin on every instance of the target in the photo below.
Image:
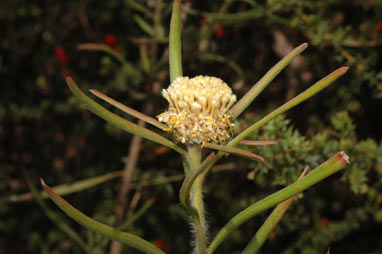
[175, 57]
[194, 154]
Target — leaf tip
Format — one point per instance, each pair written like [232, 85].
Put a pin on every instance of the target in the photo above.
[343, 157]
[43, 183]
[344, 69]
[304, 45]
[341, 71]
[95, 92]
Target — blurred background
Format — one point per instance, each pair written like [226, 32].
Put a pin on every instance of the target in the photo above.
[119, 47]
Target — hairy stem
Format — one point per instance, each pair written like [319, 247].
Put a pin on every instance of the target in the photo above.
[194, 153]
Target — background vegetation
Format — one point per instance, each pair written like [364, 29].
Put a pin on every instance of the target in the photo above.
[45, 133]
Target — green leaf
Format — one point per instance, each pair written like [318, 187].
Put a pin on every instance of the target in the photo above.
[65, 189]
[331, 166]
[144, 25]
[175, 54]
[184, 193]
[258, 142]
[123, 237]
[119, 121]
[230, 18]
[138, 214]
[317, 87]
[57, 218]
[273, 219]
[128, 67]
[235, 151]
[135, 5]
[129, 110]
[222, 59]
[247, 99]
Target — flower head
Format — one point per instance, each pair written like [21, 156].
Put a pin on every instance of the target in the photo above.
[198, 109]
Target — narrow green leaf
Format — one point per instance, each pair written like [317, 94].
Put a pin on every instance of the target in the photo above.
[258, 142]
[144, 59]
[184, 193]
[123, 237]
[135, 5]
[129, 110]
[119, 121]
[247, 99]
[235, 151]
[320, 85]
[104, 48]
[222, 59]
[273, 219]
[65, 189]
[317, 87]
[138, 214]
[175, 54]
[57, 218]
[331, 166]
[230, 18]
[144, 25]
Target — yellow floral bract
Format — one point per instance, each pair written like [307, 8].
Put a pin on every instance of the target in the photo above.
[198, 109]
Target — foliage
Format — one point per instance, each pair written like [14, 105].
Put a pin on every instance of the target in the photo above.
[44, 133]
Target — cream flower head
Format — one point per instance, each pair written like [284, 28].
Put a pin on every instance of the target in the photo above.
[198, 109]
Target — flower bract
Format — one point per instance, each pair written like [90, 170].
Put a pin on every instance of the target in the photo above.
[198, 109]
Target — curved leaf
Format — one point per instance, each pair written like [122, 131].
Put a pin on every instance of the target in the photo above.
[317, 87]
[185, 190]
[112, 233]
[331, 166]
[271, 222]
[119, 121]
[129, 110]
[235, 151]
[247, 99]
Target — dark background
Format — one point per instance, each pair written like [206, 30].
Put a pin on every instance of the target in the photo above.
[45, 132]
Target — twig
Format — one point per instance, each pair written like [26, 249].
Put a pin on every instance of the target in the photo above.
[128, 172]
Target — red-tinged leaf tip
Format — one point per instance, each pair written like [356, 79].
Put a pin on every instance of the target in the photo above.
[212, 156]
[68, 79]
[95, 92]
[42, 182]
[256, 157]
[45, 186]
[340, 71]
[304, 45]
[260, 159]
[344, 69]
[343, 157]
